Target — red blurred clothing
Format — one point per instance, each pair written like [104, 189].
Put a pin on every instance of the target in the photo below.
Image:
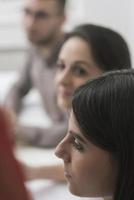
[11, 178]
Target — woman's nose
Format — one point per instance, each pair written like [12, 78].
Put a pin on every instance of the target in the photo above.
[59, 150]
[65, 78]
[62, 152]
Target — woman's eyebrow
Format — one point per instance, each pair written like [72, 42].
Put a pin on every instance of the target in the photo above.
[81, 62]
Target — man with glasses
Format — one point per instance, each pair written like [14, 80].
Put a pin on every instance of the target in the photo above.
[43, 20]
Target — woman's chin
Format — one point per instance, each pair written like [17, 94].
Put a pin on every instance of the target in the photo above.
[74, 191]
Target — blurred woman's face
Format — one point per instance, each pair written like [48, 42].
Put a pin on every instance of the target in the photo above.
[75, 66]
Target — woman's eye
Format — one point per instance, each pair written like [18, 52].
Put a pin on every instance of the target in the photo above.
[60, 66]
[77, 145]
[79, 71]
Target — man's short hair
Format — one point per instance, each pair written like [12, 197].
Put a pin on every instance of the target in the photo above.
[62, 5]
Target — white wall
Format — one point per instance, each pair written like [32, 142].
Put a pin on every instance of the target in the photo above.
[11, 34]
[117, 14]
[130, 28]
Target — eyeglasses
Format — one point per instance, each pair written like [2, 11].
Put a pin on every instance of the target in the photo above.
[37, 15]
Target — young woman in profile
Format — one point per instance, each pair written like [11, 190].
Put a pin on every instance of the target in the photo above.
[88, 51]
[11, 178]
[98, 149]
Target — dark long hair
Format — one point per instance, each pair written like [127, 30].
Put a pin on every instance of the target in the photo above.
[109, 49]
[104, 110]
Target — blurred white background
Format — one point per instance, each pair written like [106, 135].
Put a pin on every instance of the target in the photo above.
[115, 14]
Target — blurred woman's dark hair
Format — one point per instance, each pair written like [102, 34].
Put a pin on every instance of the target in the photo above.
[109, 49]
